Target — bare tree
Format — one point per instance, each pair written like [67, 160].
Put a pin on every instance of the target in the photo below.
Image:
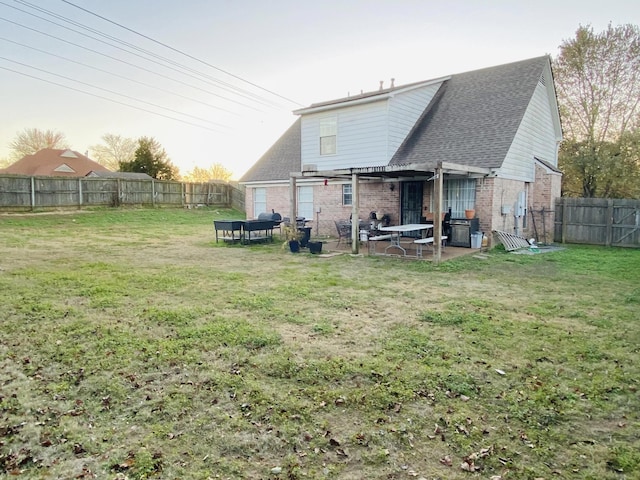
[598, 83]
[113, 151]
[597, 76]
[214, 172]
[31, 140]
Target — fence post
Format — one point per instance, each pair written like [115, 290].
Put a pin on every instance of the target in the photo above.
[153, 193]
[564, 219]
[33, 193]
[609, 222]
[79, 191]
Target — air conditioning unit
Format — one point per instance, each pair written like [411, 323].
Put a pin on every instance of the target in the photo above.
[310, 167]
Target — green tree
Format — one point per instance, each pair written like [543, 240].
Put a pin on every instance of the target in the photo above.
[113, 151]
[151, 158]
[606, 169]
[214, 172]
[598, 85]
[32, 140]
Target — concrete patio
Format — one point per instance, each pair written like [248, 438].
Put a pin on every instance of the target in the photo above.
[331, 245]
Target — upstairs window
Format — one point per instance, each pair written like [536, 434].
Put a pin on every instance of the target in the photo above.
[328, 135]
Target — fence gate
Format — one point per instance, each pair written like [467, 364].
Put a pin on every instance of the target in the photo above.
[598, 221]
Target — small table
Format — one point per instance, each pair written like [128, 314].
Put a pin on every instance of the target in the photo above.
[397, 231]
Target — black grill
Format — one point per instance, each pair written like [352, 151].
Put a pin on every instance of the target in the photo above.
[275, 217]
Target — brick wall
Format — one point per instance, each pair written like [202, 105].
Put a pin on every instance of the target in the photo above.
[491, 194]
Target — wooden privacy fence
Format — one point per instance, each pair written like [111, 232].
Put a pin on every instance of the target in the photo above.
[598, 221]
[27, 192]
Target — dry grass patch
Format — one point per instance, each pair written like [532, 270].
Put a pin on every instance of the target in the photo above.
[134, 346]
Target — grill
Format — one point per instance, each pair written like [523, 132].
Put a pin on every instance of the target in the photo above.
[461, 230]
[273, 216]
[248, 231]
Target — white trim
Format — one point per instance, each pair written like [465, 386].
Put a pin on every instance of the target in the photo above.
[370, 99]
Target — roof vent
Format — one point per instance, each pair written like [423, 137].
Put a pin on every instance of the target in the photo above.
[393, 81]
[542, 80]
[64, 168]
[381, 84]
[68, 154]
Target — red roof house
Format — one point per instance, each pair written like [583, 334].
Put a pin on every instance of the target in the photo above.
[52, 162]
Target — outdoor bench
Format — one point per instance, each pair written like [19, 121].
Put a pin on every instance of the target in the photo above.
[376, 238]
[426, 241]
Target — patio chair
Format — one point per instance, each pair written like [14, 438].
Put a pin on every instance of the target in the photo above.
[344, 230]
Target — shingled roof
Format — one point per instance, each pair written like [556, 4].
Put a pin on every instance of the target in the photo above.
[280, 160]
[473, 118]
[54, 162]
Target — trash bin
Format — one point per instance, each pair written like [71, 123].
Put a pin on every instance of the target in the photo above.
[476, 240]
[364, 235]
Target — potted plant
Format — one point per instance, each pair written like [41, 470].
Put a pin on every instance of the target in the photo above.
[292, 237]
[315, 247]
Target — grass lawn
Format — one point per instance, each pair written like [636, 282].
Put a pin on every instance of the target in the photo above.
[134, 346]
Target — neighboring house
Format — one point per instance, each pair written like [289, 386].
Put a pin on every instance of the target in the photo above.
[493, 134]
[121, 175]
[53, 162]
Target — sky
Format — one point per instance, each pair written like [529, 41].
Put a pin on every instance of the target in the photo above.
[217, 81]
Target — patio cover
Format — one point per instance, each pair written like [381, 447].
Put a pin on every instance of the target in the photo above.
[428, 171]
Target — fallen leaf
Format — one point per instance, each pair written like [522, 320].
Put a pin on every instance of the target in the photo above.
[468, 467]
[501, 372]
[446, 460]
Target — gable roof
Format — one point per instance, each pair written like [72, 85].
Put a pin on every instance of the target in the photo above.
[54, 162]
[474, 117]
[471, 120]
[280, 160]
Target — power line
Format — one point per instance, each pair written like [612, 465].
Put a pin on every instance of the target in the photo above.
[113, 92]
[226, 85]
[128, 63]
[208, 79]
[182, 53]
[110, 100]
[119, 76]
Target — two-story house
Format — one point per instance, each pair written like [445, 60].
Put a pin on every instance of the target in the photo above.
[485, 140]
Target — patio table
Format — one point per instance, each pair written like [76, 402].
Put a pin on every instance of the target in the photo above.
[396, 232]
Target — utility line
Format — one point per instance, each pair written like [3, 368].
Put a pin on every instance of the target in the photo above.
[110, 99]
[130, 64]
[227, 87]
[182, 53]
[195, 100]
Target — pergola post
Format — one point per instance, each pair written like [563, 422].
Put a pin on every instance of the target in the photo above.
[437, 214]
[355, 208]
[293, 197]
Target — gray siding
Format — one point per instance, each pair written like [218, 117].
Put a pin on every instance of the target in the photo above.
[404, 111]
[361, 137]
[368, 134]
[535, 138]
